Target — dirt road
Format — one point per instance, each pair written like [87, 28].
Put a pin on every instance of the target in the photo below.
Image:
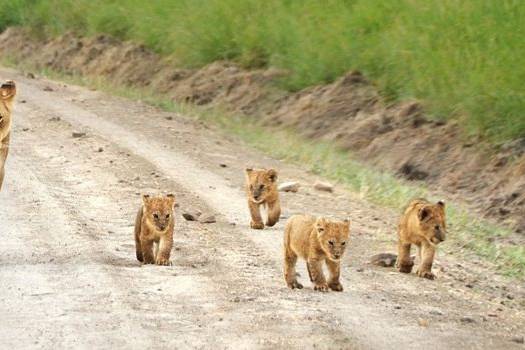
[70, 279]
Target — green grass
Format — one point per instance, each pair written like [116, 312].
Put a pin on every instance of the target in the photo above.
[464, 58]
[466, 231]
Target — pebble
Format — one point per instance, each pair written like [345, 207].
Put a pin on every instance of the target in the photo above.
[467, 319]
[323, 186]
[191, 215]
[207, 219]
[77, 134]
[291, 186]
[518, 339]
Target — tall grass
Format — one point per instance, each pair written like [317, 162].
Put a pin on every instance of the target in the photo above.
[464, 58]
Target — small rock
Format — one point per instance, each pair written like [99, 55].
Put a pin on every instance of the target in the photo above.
[55, 119]
[222, 165]
[78, 134]
[384, 259]
[518, 339]
[23, 101]
[207, 219]
[359, 269]
[291, 186]
[25, 129]
[100, 150]
[48, 88]
[169, 118]
[323, 186]
[30, 75]
[467, 319]
[397, 307]
[191, 215]
[436, 312]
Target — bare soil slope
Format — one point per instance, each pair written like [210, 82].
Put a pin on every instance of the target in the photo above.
[397, 138]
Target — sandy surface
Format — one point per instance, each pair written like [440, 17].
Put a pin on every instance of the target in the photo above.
[70, 279]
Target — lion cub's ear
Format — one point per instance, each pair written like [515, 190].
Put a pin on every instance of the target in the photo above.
[272, 174]
[171, 199]
[347, 222]
[320, 226]
[8, 92]
[145, 199]
[423, 214]
[441, 204]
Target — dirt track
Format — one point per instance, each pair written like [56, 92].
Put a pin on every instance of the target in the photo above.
[70, 279]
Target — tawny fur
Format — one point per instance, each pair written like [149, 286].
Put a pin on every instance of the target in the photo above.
[7, 95]
[261, 190]
[154, 227]
[316, 241]
[423, 224]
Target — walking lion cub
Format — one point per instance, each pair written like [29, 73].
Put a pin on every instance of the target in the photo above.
[261, 189]
[7, 96]
[317, 241]
[423, 224]
[154, 227]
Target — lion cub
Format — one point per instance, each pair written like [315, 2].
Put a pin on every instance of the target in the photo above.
[422, 224]
[154, 226]
[7, 96]
[261, 189]
[315, 240]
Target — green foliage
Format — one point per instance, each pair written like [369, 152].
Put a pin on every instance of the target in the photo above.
[463, 58]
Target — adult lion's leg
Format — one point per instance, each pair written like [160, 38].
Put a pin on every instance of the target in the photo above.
[274, 213]
[404, 263]
[256, 222]
[427, 258]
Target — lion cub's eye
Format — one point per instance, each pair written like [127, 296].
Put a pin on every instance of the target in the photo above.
[261, 187]
[436, 227]
[343, 243]
[331, 242]
[156, 216]
[167, 216]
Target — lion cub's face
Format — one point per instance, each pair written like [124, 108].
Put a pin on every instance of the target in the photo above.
[333, 237]
[158, 211]
[7, 95]
[260, 183]
[432, 222]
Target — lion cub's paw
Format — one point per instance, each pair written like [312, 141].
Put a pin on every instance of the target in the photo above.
[163, 262]
[405, 268]
[322, 287]
[295, 285]
[426, 274]
[256, 225]
[336, 286]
